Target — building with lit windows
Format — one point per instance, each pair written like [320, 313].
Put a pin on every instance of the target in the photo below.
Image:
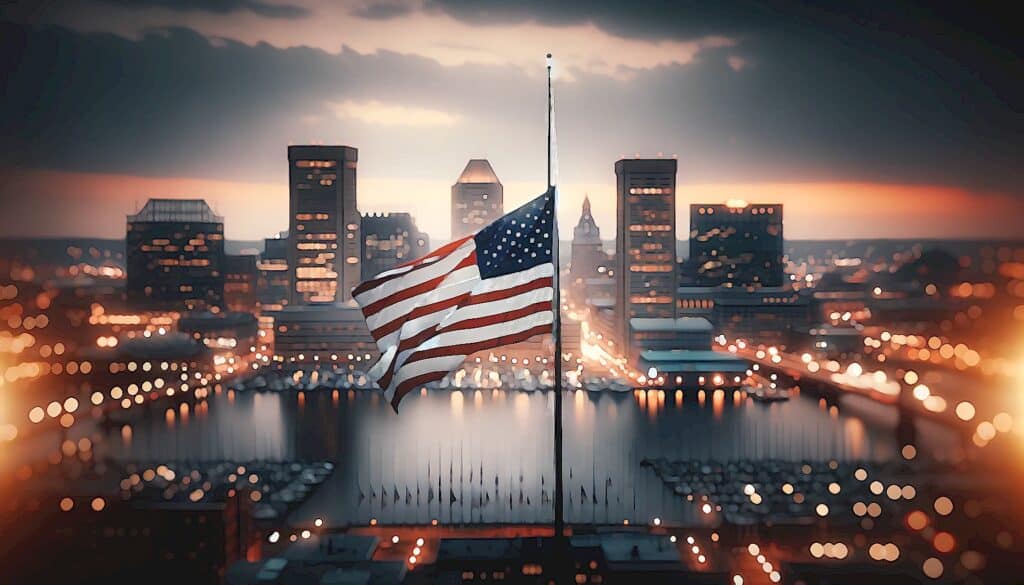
[777, 316]
[388, 240]
[645, 242]
[323, 224]
[335, 334]
[241, 277]
[477, 198]
[736, 245]
[175, 255]
[222, 330]
[273, 290]
[156, 542]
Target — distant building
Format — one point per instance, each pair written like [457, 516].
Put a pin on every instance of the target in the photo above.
[324, 333]
[777, 316]
[175, 256]
[589, 260]
[477, 198]
[388, 240]
[688, 333]
[736, 245]
[645, 242]
[221, 330]
[323, 224]
[598, 557]
[167, 542]
[273, 290]
[768, 315]
[241, 278]
[323, 559]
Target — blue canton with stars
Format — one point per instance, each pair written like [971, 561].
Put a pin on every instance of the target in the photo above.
[518, 240]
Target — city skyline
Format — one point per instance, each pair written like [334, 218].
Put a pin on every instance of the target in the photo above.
[294, 291]
[860, 130]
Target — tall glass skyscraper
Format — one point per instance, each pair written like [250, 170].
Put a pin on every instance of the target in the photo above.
[323, 224]
[645, 240]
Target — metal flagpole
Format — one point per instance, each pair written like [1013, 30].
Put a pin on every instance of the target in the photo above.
[556, 330]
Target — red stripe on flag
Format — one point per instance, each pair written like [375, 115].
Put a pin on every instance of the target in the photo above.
[416, 313]
[463, 300]
[426, 334]
[416, 264]
[423, 287]
[497, 295]
[484, 322]
[407, 386]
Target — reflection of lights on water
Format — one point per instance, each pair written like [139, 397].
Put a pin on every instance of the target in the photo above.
[457, 402]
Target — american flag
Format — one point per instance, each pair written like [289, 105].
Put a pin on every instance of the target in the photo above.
[476, 293]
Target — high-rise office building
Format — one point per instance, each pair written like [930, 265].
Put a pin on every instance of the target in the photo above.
[645, 241]
[477, 198]
[273, 289]
[175, 256]
[736, 245]
[389, 240]
[323, 224]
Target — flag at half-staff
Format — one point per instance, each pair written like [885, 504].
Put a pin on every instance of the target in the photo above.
[477, 293]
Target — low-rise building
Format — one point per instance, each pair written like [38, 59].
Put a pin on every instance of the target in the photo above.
[325, 334]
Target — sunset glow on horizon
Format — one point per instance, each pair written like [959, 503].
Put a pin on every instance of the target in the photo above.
[95, 205]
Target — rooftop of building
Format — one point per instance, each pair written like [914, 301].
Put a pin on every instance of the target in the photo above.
[176, 210]
[689, 360]
[737, 204]
[688, 324]
[323, 151]
[478, 170]
[333, 547]
[173, 344]
[221, 319]
[632, 548]
[320, 312]
[646, 164]
[478, 548]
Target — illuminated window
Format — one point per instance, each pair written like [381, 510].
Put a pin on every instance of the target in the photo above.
[315, 164]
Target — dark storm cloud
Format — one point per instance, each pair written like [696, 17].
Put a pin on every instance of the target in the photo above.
[829, 103]
[176, 104]
[268, 9]
[981, 40]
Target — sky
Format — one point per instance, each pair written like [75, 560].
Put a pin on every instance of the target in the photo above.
[865, 119]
